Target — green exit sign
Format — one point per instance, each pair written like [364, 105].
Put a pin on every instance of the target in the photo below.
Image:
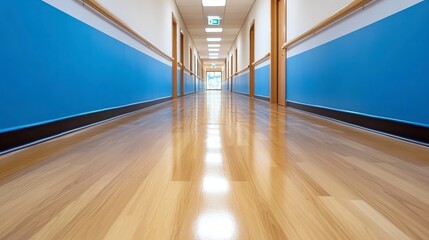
[214, 21]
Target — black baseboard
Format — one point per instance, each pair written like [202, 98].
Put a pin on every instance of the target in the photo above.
[36, 134]
[262, 98]
[408, 131]
[244, 94]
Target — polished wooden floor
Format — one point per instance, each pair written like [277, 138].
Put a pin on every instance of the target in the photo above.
[216, 166]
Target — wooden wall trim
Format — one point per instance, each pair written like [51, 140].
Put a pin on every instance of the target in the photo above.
[93, 4]
[192, 73]
[263, 59]
[200, 78]
[242, 71]
[274, 46]
[187, 70]
[353, 6]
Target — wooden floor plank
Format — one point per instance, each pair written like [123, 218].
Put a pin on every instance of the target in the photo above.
[216, 165]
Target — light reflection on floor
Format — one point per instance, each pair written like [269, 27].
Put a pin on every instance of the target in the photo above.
[216, 220]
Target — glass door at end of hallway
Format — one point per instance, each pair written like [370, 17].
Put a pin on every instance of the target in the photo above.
[214, 80]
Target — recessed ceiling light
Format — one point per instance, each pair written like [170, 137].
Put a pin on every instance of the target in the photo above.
[214, 39]
[212, 57]
[213, 30]
[213, 49]
[213, 3]
[213, 45]
[213, 54]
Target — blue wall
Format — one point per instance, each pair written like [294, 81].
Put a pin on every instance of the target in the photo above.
[179, 70]
[225, 86]
[189, 83]
[380, 70]
[241, 83]
[201, 85]
[262, 81]
[53, 66]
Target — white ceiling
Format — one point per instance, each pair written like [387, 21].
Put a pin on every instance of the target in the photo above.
[195, 16]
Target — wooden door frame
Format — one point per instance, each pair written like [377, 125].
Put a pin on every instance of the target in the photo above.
[174, 55]
[231, 72]
[273, 60]
[191, 59]
[275, 45]
[281, 54]
[182, 61]
[252, 59]
[236, 60]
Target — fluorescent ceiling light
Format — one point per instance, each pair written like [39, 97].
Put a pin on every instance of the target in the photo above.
[212, 57]
[213, 30]
[213, 49]
[213, 3]
[214, 39]
[213, 54]
[213, 45]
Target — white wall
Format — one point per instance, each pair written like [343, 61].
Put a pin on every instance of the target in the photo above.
[261, 13]
[368, 15]
[305, 14]
[153, 20]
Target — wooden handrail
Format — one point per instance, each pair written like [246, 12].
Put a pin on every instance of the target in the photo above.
[187, 70]
[263, 59]
[107, 14]
[200, 78]
[192, 73]
[241, 71]
[356, 4]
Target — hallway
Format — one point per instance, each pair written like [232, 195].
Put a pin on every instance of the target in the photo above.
[216, 165]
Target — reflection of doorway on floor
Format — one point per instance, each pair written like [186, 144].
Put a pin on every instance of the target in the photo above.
[214, 80]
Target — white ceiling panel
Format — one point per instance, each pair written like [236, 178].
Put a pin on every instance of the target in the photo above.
[195, 17]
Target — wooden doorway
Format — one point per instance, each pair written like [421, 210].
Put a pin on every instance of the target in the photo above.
[174, 50]
[182, 62]
[231, 73]
[281, 53]
[190, 60]
[278, 56]
[252, 60]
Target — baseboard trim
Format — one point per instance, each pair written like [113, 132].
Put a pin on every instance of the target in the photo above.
[405, 131]
[244, 94]
[25, 137]
[262, 98]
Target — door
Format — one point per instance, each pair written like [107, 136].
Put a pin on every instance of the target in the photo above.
[252, 60]
[182, 61]
[281, 54]
[174, 49]
[231, 73]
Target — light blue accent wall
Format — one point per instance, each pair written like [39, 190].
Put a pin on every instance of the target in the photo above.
[178, 81]
[189, 83]
[225, 86]
[262, 81]
[53, 66]
[380, 70]
[201, 85]
[241, 83]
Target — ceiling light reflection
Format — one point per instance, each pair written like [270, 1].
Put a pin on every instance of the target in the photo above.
[213, 132]
[214, 159]
[216, 225]
[215, 184]
[213, 142]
